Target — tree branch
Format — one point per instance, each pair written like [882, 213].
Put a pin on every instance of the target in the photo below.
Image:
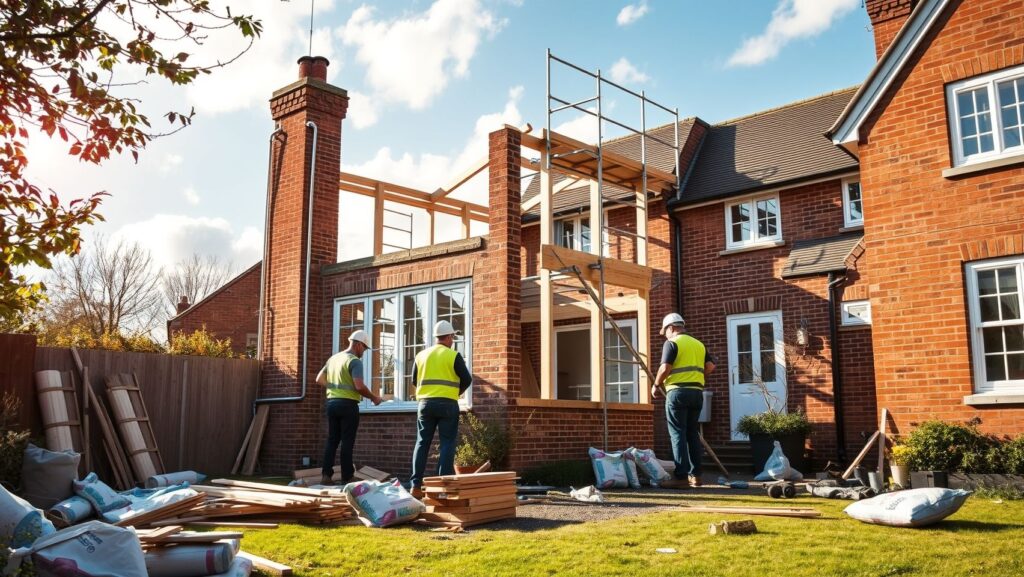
[67, 33]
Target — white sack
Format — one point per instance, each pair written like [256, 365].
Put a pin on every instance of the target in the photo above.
[47, 476]
[189, 560]
[911, 508]
[777, 467]
[70, 511]
[588, 494]
[92, 549]
[381, 504]
[240, 567]
[191, 477]
[609, 469]
[145, 500]
[102, 497]
[20, 523]
[650, 466]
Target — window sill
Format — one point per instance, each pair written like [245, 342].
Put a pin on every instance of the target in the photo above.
[399, 408]
[753, 247]
[994, 399]
[852, 228]
[981, 166]
[860, 327]
[572, 404]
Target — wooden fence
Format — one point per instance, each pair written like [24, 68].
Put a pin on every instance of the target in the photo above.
[200, 407]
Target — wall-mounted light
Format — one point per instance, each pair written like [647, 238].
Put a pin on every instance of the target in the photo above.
[803, 334]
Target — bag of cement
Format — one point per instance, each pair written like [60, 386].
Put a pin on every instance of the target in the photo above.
[166, 480]
[240, 567]
[588, 494]
[382, 504]
[47, 476]
[92, 549]
[189, 560]
[609, 469]
[20, 523]
[102, 497]
[777, 468]
[70, 511]
[631, 476]
[145, 500]
[911, 508]
[650, 466]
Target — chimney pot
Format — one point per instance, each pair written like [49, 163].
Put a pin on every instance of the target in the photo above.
[314, 67]
[183, 304]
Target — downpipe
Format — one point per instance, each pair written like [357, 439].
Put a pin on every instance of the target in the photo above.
[837, 380]
[266, 240]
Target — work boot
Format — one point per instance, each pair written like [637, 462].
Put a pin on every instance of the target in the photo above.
[325, 480]
[674, 484]
[695, 481]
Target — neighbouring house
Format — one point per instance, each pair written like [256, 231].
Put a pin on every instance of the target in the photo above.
[230, 312]
[938, 128]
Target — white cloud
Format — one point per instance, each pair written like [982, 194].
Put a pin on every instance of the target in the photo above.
[791, 19]
[174, 237]
[631, 13]
[191, 196]
[362, 110]
[411, 60]
[170, 162]
[624, 72]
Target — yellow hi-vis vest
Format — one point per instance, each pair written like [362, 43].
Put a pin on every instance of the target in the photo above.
[339, 380]
[688, 367]
[435, 374]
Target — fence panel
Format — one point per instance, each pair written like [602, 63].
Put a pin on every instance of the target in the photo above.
[17, 359]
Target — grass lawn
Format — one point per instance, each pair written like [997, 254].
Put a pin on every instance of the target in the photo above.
[983, 538]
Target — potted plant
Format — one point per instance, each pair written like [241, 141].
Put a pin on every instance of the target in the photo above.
[789, 429]
[481, 441]
[899, 463]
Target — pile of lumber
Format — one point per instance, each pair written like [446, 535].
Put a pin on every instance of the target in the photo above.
[244, 501]
[467, 500]
[313, 476]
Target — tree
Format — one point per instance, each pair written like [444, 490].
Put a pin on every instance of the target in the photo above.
[194, 278]
[61, 72]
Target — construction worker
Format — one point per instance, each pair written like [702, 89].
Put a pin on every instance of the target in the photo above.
[441, 377]
[684, 364]
[343, 377]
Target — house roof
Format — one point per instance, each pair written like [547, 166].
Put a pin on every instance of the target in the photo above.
[659, 156]
[773, 147]
[820, 255]
[219, 290]
[845, 131]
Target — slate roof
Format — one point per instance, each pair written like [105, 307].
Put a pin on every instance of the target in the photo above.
[820, 255]
[773, 147]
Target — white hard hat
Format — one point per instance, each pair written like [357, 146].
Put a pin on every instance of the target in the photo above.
[444, 328]
[671, 319]
[361, 337]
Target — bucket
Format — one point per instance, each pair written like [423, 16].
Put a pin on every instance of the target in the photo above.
[705, 410]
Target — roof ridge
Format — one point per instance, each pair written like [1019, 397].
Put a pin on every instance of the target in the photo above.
[691, 119]
[787, 105]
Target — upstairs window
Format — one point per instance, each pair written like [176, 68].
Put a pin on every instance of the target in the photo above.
[853, 207]
[986, 116]
[752, 222]
[573, 233]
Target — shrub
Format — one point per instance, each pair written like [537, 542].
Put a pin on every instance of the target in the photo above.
[942, 446]
[481, 441]
[1012, 453]
[200, 343]
[12, 441]
[80, 337]
[560, 474]
[774, 424]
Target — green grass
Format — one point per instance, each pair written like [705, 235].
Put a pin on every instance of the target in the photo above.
[983, 538]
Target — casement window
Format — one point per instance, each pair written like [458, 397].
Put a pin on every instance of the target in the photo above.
[399, 324]
[752, 222]
[856, 313]
[853, 207]
[573, 233]
[997, 329]
[986, 116]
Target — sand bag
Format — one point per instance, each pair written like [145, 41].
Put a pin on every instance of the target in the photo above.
[650, 466]
[911, 508]
[102, 497]
[20, 523]
[166, 480]
[47, 476]
[777, 468]
[240, 567]
[382, 504]
[92, 549]
[631, 475]
[609, 469]
[70, 511]
[189, 560]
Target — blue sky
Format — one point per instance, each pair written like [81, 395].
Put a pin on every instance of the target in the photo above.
[429, 79]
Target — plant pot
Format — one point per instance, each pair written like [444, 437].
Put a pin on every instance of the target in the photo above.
[466, 469]
[923, 479]
[900, 476]
[761, 447]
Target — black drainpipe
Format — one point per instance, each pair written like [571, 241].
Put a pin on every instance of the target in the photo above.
[677, 259]
[837, 380]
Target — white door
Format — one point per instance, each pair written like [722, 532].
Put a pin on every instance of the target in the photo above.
[757, 364]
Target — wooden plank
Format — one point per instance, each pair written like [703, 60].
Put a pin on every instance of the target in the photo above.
[473, 170]
[277, 488]
[166, 512]
[471, 478]
[470, 493]
[470, 519]
[245, 446]
[253, 450]
[266, 565]
[616, 272]
[860, 456]
[597, 353]
[881, 443]
[114, 450]
[547, 321]
[378, 220]
[238, 524]
[472, 502]
[501, 505]
[766, 511]
[125, 396]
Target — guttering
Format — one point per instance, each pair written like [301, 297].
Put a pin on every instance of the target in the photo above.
[837, 380]
[305, 288]
[266, 239]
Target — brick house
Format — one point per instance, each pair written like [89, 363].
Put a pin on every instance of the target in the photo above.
[230, 312]
[937, 130]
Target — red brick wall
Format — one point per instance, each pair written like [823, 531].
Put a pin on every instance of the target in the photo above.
[887, 17]
[546, 434]
[921, 228]
[232, 312]
[712, 282]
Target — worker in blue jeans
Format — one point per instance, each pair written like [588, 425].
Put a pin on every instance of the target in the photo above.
[441, 376]
[684, 364]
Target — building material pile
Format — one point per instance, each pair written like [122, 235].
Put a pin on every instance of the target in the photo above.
[261, 502]
[307, 477]
[467, 500]
[171, 552]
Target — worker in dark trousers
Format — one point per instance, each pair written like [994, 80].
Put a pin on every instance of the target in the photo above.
[441, 376]
[343, 378]
[684, 364]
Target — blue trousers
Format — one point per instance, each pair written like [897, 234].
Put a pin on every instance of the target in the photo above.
[342, 424]
[682, 411]
[441, 415]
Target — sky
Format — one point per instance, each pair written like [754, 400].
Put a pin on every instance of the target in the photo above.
[427, 81]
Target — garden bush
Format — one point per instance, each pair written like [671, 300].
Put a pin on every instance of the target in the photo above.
[942, 446]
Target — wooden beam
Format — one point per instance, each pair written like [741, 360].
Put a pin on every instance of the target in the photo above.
[405, 201]
[474, 170]
[378, 220]
[616, 272]
[547, 320]
[643, 342]
[579, 309]
[368, 186]
[881, 443]
[465, 222]
[596, 316]
[431, 217]
[566, 183]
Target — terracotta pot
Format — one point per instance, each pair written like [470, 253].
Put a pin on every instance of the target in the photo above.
[466, 469]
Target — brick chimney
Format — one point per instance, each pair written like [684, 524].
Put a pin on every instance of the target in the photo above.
[887, 17]
[310, 99]
[183, 304]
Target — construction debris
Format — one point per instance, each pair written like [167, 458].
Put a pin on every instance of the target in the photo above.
[125, 398]
[247, 501]
[767, 511]
[266, 565]
[743, 527]
[309, 477]
[246, 459]
[473, 499]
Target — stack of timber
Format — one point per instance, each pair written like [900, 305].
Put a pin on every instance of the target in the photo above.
[229, 500]
[472, 499]
[314, 476]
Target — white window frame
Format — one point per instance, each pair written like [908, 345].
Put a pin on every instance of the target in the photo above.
[953, 113]
[848, 220]
[577, 237]
[981, 383]
[466, 400]
[755, 238]
[631, 323]
[852, 320]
